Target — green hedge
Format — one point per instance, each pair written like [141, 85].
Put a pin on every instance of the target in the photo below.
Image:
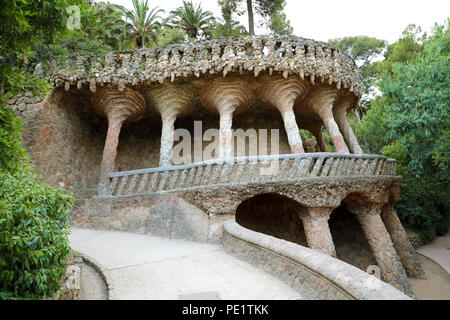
[33, 236]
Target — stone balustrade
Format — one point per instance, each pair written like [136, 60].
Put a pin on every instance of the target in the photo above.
[249, 170]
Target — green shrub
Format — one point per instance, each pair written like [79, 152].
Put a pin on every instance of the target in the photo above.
[33, 221]
[423, 205]
[11, 154]
[33, 236]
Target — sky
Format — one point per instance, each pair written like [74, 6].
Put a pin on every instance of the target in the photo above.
[328, 19]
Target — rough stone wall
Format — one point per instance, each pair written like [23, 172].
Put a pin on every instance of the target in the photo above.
[63, 141]
[164, 215]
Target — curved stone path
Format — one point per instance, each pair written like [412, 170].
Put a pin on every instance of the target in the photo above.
[147, 267]
[439, 251]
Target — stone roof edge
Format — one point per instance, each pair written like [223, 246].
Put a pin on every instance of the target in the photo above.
[326, 64]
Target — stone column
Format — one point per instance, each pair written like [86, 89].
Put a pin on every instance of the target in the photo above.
[226, 96]
[226, 133]
[118, 106]
[167, 132]
[321, 100]
[317, 133]
[110, 150]
[368, 215]
[340, 114]
[171, 101]
[317, 230]
[292, 130]
[282, 93]
[405, 250]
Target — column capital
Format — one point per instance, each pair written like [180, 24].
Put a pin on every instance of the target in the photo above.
[364, 208]
[127, 105]
[321, 99]
[282, 93]
[317, 213]
[226, 95]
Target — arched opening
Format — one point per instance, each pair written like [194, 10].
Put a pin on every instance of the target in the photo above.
[274, 215]
[348, 237]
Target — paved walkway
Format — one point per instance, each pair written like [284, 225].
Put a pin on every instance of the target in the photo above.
[438, 251]
[147, 267]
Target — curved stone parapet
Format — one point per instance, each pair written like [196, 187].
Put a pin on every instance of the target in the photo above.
[316, 61]
[312, 273]
[248, 169]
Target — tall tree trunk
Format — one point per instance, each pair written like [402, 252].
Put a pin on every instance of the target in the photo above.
[251, 24]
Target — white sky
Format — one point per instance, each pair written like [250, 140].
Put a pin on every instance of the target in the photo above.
[328, 19]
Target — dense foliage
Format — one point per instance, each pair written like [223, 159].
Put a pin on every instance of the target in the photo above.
[228, 26]
[271, 13]
[363, 50]
[410, 122]
[33, 236]
[33, 215]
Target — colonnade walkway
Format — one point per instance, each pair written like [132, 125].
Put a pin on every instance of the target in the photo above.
[148, 267]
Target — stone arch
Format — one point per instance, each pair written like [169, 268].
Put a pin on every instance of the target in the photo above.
[368, 213]
[348, 236]
[273, 214]
[356, 197]
[349, 240]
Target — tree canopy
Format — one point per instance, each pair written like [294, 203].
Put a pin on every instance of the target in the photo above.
[192, 19]
[363, 50]
[410, 122]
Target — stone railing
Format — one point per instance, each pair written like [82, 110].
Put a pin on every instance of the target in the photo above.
[312, 274]
[255, 169]
[314, 60]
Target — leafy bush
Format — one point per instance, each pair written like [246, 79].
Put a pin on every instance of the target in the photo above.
[171, 36]
[33, 221]
[33, 236]
[10, 152]
[410, 123]
[424, 204]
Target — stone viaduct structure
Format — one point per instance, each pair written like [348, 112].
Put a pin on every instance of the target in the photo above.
[111, 121]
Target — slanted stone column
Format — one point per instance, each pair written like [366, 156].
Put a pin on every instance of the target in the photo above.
[368, 215]
[171, 101]
[320, 140]
[345, 103]
[321, 101]
[167, 131]
[226, 96]
[405, 250]
[317, 230]
[118, 107]
[282, 93]
[316, 130]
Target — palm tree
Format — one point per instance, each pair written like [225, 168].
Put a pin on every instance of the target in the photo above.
[111, 26]
[192, 19]
[145, 23]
